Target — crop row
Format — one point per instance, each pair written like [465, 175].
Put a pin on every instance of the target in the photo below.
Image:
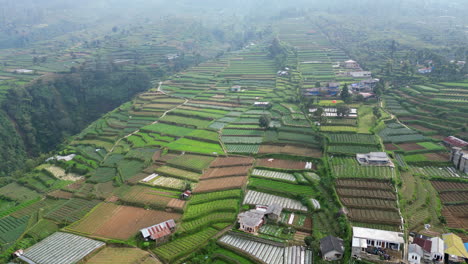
[254, 198]
[274, 175]
[198, 210]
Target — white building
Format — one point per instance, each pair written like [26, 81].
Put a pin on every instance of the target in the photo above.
[364, 238]
[361, 74]
[375, 159]
[415, 254]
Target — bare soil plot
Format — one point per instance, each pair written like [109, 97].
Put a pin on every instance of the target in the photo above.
[76, 185]
[290, 150]
[232, 161]
[437, 156]
[367, 203]
[283, 164]
[218, 184]
[119, 222]
[226, 172]
[442, 186]
[374, 216]
[410, 146]
[390, 146]
[456, 216]
[377, 194]
[365, 184]
[176, 204]
[59, 194]
[448, 197]
[140, 176]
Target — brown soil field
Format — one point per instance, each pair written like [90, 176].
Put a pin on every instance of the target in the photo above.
[232, 161]
[308, 223]
[282, 164]
[456, 216]
[218, 184]
[365, 184]
[421, 128]
[59, 194]
[438, 137]
[410, 146]
[137, 178]
[390, 146]
[291, 150]
[374, 216]
[442, 186]
[374, 194]
[76, 185]
[119, 222]
[146, 196]
[437, 156]
[176, 204]
[104, 190]
[368, 203]
[448, 197]
[226, 172]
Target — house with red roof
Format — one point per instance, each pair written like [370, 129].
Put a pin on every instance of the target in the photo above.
[160, 232]
[452, 141]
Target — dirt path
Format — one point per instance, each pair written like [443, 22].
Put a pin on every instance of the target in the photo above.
[156, 121]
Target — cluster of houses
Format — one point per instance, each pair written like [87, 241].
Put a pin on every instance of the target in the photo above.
[376, 245]
[459, 152]
[251, 221]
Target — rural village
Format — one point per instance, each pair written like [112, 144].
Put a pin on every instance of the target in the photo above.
[286, 151]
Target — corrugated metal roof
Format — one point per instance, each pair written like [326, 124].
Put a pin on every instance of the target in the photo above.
[159, 230]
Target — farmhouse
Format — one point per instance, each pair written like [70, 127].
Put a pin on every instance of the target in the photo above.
[454, 249]
[251, 221]
[452, 141]
[433, 248]
[415, 254]
[236, 88]
[459, 158]
[364, 85]
[185, 195]
[351, 64]
[360, 74]
[160, 232]
[23, 71]
[332, 248]
[261, 104]
[365, 239]
[374, 159]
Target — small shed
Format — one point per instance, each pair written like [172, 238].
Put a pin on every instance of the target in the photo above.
[332, 248]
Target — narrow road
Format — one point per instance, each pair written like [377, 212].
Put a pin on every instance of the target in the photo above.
[156, 121]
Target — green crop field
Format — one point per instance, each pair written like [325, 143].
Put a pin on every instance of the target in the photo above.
[349, 168]
[276, 187]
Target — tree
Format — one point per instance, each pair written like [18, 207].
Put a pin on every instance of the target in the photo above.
[345, 96]
[342, 110]
[376, 111]
[264, 121]
[317, 85]
[308, 240]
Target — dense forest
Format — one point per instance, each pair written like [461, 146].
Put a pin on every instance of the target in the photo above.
[52, 108]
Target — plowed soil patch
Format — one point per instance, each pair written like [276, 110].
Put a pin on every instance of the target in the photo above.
[448, 197]
[390, 146]
[120, 222]
[442, 186]
[410, 146]
[218, 184]
[290, 150]
[226, 172]
[437, 156]
[232, 161]
[176, 204]
[60, 194]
